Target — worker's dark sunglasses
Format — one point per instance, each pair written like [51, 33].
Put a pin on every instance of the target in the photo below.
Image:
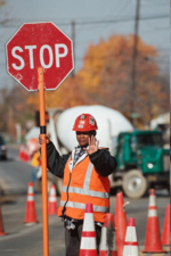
[85, 133]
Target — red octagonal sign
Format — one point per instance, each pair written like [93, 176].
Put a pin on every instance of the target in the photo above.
[39, 45]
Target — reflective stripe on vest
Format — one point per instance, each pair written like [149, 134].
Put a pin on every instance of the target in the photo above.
[82, 206]
[85, 191]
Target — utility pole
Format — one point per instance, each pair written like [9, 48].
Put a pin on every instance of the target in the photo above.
[73, 40]
[134, 58]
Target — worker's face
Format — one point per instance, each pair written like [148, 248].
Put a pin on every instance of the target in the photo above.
[83, 138]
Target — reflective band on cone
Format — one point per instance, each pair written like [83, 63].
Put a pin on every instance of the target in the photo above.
[131, 244]
[153, 241]
[30, 216]
[52, 207]
[88, 238]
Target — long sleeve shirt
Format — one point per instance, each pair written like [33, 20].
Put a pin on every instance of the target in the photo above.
[104, 163]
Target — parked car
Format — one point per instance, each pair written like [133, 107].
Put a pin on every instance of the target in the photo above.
[3, 149]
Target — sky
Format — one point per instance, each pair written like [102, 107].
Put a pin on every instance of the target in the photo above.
[94, 19]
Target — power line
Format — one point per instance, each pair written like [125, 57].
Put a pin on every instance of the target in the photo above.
[154, 30]
[126, 19]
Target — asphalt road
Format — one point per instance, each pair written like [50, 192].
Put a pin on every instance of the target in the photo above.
[16, 174]
[23, 240]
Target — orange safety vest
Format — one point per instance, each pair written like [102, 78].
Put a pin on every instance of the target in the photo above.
[84, 185]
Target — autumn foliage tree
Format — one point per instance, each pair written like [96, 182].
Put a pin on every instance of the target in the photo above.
[13, 109]
[70, 94]
[107, 76]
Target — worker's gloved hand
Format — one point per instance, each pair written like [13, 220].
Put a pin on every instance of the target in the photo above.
[93, 145]
[41, 138]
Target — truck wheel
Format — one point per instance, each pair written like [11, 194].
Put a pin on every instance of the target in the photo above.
[135, 184]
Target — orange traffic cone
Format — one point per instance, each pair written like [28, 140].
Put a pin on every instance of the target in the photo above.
[120, 222]
[107, 241]
[21, 152]
[166, 230]
[152, 241]
[52, 207]
[26, 156]
[88, 240]
[131, 244]
[30, 216]
[2, 233]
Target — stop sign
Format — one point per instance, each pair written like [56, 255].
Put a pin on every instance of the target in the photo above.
[39, 45]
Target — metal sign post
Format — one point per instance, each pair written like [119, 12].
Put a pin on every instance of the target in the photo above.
[44, 163]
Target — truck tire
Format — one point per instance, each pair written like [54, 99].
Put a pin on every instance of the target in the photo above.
[135, 185]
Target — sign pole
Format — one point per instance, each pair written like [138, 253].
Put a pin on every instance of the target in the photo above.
[44, 163]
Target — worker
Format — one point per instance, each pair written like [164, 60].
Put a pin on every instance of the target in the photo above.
[35, 164]
[85, 180]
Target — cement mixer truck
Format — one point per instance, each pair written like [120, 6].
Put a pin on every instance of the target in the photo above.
[142, 160]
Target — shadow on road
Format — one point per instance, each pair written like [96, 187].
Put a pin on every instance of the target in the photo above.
[9, 159]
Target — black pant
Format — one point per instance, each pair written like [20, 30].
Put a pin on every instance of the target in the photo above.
[73, 239]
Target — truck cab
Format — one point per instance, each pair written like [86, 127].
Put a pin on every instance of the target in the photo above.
[143, 162]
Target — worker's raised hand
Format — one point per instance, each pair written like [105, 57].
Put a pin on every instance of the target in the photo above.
[41, 139]
[93, 145]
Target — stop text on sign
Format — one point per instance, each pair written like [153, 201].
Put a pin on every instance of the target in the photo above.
[60, 51]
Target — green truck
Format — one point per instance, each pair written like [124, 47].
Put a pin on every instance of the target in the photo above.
[143, 163]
